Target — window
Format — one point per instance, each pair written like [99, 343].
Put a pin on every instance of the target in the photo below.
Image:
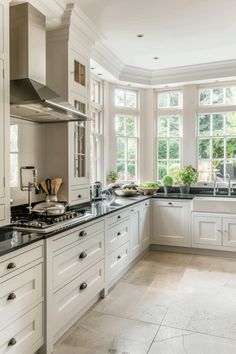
[216, 145]
[81, 106]
[125, 98]
[169, 132]
[168, 100]
[127, 147]
[95, 91]
[168, 145]
[14, 156]
[96, 146]
[217, 96]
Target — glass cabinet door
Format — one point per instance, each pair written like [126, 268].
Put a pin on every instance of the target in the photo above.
[79, 150]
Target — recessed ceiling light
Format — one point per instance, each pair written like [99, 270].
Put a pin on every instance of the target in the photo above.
[100, 74]
[140, 35]
[92, 68]
[156, 58]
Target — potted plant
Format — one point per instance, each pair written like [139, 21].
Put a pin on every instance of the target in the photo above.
[112, 176]
[168, 183]
[185, 177]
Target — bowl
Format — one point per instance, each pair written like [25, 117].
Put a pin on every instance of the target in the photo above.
[146, 191]
[125, 192]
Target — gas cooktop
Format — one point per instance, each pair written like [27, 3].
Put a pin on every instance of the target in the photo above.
[46, 224]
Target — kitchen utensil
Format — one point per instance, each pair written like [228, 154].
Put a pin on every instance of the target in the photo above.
[53, 185]
[58, 183]
[44, 187]
[125, 192]
[48, 184]
[50, 208]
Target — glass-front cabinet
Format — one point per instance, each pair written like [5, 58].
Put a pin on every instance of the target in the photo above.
[80, 150]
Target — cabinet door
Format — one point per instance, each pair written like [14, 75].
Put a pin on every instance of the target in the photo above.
[171, 222]
[207, 230]
[144, 222]
[229, 232]
[2, 127]
[135, 242]
[2, 15]
[78, 69]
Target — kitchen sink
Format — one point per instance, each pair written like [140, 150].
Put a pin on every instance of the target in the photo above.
[115, 205]
[214, 204]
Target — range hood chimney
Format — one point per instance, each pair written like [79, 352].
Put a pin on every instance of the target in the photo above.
[30, 98]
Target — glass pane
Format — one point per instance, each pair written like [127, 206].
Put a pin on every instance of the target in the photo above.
[161, 169]
[120, 125]
[230, 95]
[231, 148]
[131, 126]
[231, 169]
[217, 124]
[14, 168]
[131, 99]
[174, 149]
[174, 99]
[162, 126]
[218, 148]
[204, 171]
[94, 91]
[14, 138]
[204, 124]
[132, 149]
[173, 166]
[174, 126]
[162, 149]
[120, 167]
[204, 148]
[131, 171]
[205, 97]
[120, 149]
[162, 100]
[119, 98]
[217, 169]
[218, 96]
[231, 123]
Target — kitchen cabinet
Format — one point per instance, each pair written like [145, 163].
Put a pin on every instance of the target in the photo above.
[4, 114]
[170, 222]
[135, 241]
[211, 230]
[22, 294]
[145, 224]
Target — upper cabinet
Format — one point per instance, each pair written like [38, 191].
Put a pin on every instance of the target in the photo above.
[4, 113]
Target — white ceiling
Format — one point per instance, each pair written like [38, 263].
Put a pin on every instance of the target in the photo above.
[180, 32]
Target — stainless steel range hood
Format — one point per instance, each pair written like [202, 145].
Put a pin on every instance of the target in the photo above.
[30, 98]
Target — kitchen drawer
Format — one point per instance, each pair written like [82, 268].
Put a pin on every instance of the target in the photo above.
[71, 299]
[20, 336]
[9, 265]
[72, 261]
[19, 292]
[118, 216]
[80, 195]
[78, 235]
[118, 260]
[118, 235]
[2, 212]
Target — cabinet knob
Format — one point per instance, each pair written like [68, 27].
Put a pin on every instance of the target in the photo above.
[119, 257]
[82, 233]
[83, 255]
[118, 233]
[11, 342]
[79, 196]
[11, 265]
[118, 217]
[219, 230]
[170, 203]
[83, 286]
[11, 296]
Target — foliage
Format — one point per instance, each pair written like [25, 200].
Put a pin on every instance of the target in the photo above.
[186, 175]
[167, 181]
[112, 176]
[150, 185]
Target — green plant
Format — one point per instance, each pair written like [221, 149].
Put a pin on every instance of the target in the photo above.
[150, 185]
[167, 181]
[112, 176]
[186, 175]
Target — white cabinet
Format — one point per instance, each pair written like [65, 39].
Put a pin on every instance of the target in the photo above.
[144, 224]
[207, 229]
[170, 222]
[4, 114]
[229, 231]
[135, 241]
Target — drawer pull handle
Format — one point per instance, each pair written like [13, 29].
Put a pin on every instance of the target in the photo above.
[119, 257]
[118, 217]
[79, 196]
[170, 203]
[11, 296]
[132, 210]
[11, 265]
[83, 286]
[83, 255]
[118, 233]
[11, 342]
[82, 233]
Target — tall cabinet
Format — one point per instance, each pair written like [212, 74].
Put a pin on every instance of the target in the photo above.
[68, 58]
[4, 113]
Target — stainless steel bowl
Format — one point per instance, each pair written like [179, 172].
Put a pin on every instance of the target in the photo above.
[125, 193]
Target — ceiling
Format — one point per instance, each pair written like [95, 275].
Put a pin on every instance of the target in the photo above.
[179, 32]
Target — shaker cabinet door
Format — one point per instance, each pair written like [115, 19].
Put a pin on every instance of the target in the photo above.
[2, 127]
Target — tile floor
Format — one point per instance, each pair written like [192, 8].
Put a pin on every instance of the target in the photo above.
[168, 303]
